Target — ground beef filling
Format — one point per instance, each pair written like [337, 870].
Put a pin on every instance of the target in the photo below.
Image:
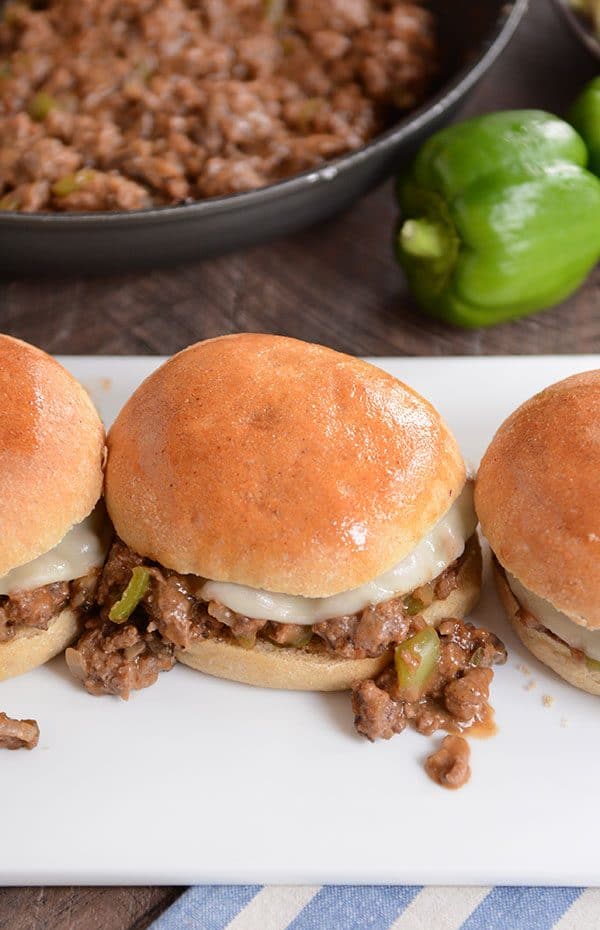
[117, 658]
[111, 659]
[25, 612]
[367, 634]
[125, 104]
[18, 734]
[454, 699]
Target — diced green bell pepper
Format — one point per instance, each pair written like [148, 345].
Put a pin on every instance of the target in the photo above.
[40, 105]
[416, 659]
[71, 183]
[122, 610]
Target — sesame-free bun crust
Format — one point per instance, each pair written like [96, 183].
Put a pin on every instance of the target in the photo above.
[51, 453]
[31, 648]
[277, 464]
[269, 666]
[549, 650]
[537, 495]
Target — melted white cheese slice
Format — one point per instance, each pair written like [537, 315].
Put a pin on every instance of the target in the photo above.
[434, 553]
[82, 549]
[575, 635]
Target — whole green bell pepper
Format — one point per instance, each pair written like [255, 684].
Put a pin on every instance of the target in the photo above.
[499, 218]
[585, 117]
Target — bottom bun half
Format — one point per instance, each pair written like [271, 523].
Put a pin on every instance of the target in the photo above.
[268, 666]
[545, 647]
[34, 647]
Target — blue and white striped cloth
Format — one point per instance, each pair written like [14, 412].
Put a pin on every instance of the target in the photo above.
[381, 907]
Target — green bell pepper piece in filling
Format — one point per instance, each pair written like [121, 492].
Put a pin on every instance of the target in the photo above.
[416, 659]
[412, 605]
[71, 183]
[40, 105]
[499, 218]
[275, 10]
[132, 595]
[585, 117]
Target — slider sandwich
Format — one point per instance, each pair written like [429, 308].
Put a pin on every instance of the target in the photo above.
[538, 499]
[53, 536]
[282, 512]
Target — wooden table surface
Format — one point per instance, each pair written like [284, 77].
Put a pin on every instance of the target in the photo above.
[337, 284]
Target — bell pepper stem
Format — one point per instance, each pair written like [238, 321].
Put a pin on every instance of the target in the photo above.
[423, 238]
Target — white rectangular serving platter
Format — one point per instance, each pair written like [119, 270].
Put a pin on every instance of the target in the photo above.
[198, 780]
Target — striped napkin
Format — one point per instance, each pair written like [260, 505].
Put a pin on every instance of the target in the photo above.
[381, 907]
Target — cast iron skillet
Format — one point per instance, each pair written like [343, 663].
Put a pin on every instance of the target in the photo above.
[473, 34]
[582, 28]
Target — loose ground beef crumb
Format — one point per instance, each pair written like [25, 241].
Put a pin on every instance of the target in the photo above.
[449, 765]
[108, 105]
[18, 734]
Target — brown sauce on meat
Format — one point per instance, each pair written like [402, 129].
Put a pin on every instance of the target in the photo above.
[118, 659]
[26, 612]
[487, 726]
[483, 726]
[449, 766]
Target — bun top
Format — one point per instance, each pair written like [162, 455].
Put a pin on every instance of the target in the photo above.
[537, 495]
[277, 464]
[51, 453]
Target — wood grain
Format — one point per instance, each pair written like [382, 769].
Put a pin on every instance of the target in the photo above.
[336, 284]
[82, 908]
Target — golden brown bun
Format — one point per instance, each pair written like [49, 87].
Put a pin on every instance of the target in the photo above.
[277, 464]
[269, 666]
[51, 453]
[34, 647]
[544, 647]
[537, 496]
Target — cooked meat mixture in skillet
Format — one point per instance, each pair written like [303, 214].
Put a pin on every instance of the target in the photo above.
[18, 734]
[125, 104]
[117, 658]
